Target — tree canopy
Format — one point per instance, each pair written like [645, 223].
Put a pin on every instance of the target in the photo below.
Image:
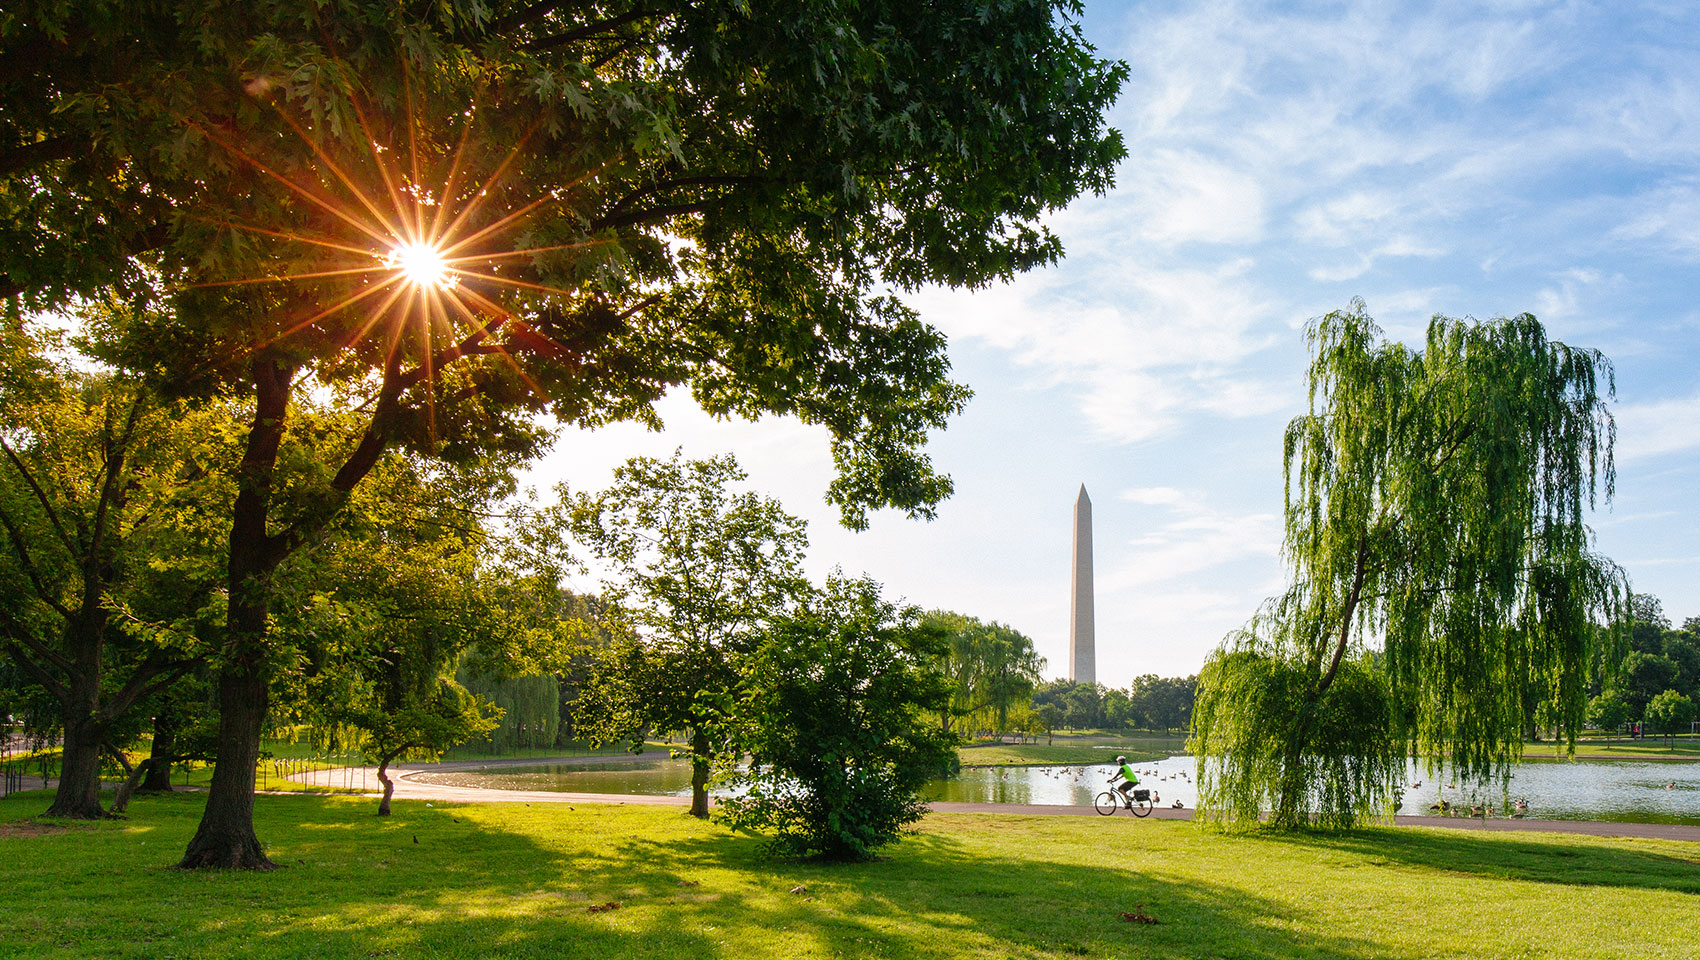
[452, 217]
[992, 669]
[700, 570]
[1435, 511]
[105, 590]
[833, 711]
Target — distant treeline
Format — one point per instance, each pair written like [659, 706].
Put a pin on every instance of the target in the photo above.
[1150, 702]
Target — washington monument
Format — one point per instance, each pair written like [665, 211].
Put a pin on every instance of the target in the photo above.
[1082, 657]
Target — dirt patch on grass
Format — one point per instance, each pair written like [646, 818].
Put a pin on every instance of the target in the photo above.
[29, 828]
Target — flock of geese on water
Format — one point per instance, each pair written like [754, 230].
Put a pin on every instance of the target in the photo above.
[1517, 810]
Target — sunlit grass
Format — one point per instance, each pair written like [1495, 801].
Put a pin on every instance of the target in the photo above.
[513, 881]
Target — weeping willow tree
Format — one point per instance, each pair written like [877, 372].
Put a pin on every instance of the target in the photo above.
[1443, 580]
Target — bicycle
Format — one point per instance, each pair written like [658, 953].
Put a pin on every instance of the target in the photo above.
[1109, 800]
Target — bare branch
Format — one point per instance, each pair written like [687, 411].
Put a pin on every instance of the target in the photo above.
[707, 180]
[138, 687]
[524, 16]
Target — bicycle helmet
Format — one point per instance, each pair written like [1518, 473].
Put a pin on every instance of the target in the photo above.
[1121, 759]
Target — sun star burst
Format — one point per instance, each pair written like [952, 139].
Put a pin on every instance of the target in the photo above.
[422, 265]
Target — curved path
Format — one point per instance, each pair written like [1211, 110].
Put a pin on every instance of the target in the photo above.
[409, 788]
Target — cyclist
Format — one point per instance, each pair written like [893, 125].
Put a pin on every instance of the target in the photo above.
[1129, 781]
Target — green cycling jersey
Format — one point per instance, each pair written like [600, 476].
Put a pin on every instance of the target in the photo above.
[1129, 775]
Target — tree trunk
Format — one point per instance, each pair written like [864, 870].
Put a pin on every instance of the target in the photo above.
[78, 797]
[699, 774]
[1293, 786]
[226, 836]
[127, 789]
[158, 762]
[389, 786]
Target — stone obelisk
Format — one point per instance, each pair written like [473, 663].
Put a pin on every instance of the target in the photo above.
[1082, 655]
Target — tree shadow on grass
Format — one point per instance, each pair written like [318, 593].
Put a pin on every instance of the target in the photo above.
[511, 881]
[517, 882]
[1543, 858]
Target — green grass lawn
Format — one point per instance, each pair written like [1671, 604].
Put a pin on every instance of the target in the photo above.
[1683, 748]
[511, 881]
[1094, 750]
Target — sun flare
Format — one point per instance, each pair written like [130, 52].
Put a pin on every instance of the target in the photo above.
[422, 264]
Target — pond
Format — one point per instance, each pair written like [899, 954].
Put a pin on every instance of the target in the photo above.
[1619, 790]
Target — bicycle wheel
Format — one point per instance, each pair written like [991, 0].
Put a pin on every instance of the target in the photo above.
[1106, 803]
[1142, 808]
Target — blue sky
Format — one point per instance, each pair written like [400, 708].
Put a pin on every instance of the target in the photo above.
[1472, 159]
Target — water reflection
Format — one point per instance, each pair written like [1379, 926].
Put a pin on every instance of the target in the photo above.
[1622, 790]
[665, 778]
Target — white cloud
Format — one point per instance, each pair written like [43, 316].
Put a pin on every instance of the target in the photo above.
[1198, 538]
[1397, 247]
[1669, 216]
[1658, 427]
[1157, 496]
[1176, 197]
[1151, 346]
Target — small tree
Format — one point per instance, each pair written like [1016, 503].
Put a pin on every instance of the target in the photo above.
[1643, 676]
[992, 668]
[834, 714]
[1669, 712]
[409, 585]
[1607, 711]
[425, 725]
[95, 478]
[699, 570]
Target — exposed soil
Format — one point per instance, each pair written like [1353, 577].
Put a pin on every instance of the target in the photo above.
[29, 828]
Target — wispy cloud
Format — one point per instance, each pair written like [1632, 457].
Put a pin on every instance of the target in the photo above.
[1658, 427]
[1142, 347]
[1194, 538]
[1668, 216]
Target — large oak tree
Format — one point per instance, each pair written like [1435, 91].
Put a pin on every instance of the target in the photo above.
[470, 213]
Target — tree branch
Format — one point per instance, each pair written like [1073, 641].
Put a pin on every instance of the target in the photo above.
[41, 497]
[651, 215]
[28, 563]
[706, 180]
[110, 492]
[1346, 615]
[587, 31]
[524, 16]
[21, 158]
[138, 688]
[35, 670]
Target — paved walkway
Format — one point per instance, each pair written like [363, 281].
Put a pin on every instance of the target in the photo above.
[409, 788]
